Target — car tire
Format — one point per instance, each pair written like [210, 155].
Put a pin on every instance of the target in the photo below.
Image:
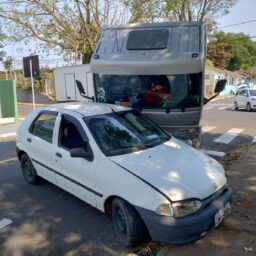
[28, 170]
[129, 226]
[248, 107]
[235, 106]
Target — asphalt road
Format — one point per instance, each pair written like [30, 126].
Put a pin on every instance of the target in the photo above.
[48, 221]
[219, 118]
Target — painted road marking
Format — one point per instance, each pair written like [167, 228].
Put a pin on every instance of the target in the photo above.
[4, 223]
[222, 108]
[208, 108]
[207, 128]
[5, 135]
[228, 136]
[8, 160]
[254, 140]
[213, 153]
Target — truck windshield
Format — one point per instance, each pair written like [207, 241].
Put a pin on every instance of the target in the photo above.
[124, 132]
[150, 91]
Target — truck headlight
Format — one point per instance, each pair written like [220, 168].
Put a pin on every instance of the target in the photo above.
[184, 208]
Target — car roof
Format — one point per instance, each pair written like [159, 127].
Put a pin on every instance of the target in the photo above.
[86, 108]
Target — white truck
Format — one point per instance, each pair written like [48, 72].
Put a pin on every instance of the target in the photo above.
[157, 68]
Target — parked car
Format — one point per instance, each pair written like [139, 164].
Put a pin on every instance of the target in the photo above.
[241, 87]
[120, 162]
[246, 99]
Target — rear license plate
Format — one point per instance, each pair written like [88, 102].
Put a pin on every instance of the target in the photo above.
[221, 214]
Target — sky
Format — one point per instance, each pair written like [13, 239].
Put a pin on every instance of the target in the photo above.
[243, 11]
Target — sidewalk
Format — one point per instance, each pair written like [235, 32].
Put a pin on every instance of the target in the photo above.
[237, 233]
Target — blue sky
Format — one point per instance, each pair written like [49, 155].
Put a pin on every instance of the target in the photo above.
[244, 10]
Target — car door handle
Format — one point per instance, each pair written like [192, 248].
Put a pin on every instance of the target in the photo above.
[29, 140]
[58, 155]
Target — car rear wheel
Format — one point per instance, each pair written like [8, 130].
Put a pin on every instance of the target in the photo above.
[128, 224]
[248, 107]
[235, 106]
[28, 170]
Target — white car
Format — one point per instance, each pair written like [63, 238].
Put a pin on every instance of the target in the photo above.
[246, 99]
[120, 162]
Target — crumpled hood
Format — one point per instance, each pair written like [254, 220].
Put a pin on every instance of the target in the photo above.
[177, 169]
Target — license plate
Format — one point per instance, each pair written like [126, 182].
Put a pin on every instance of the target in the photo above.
[221, 214]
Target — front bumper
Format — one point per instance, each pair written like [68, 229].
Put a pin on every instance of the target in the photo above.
[172, 230]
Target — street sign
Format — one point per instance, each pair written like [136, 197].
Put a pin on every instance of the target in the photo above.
[35, 66]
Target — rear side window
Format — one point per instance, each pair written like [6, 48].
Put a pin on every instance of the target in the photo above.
[43, 126]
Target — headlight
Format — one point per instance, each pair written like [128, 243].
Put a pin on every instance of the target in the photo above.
[164, 209]
[184, 208]
[253, 99]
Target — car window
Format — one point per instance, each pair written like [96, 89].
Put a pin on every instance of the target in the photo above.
[124, 132]
[241, 92]
[253, 92]
[69, 135]
[43, 125]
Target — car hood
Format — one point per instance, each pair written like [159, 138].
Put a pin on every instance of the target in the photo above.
[176, 169]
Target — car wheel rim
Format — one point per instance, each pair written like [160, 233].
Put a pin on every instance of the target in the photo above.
[248, 107]
[120, 221]
[27, 169]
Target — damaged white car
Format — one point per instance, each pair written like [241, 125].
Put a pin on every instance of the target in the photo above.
[122, 163]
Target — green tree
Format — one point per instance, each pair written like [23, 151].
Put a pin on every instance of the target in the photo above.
[72, 26]
[232, 51]
[8, 63]
[180, 10]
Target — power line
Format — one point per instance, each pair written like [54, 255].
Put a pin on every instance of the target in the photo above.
[236, 24]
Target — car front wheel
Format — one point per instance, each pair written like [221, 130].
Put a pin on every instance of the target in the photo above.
[128, 224]
[28, 170]
[248, 107]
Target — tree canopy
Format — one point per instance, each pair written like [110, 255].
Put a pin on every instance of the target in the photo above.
[72, 26]
[232, 51]
[180, 10]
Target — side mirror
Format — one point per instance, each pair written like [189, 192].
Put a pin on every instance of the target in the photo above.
[220, 86]
[81, 153]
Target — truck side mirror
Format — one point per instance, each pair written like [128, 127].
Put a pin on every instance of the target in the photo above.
[82, 91]
[220, 86]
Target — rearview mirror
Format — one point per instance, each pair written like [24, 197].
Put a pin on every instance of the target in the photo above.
[81, 153]
[220, 86]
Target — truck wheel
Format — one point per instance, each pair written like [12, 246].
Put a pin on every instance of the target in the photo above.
[248, 107]
[129, 226]
[28, 170]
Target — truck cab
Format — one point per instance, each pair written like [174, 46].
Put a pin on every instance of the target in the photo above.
[157, 68]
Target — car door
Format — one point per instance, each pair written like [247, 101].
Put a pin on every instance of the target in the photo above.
[39, 142]
[241, 99]
[75, 174]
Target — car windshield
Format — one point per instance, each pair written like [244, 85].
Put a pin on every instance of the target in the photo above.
[253, 92]
[124, 132]
[178, 91]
